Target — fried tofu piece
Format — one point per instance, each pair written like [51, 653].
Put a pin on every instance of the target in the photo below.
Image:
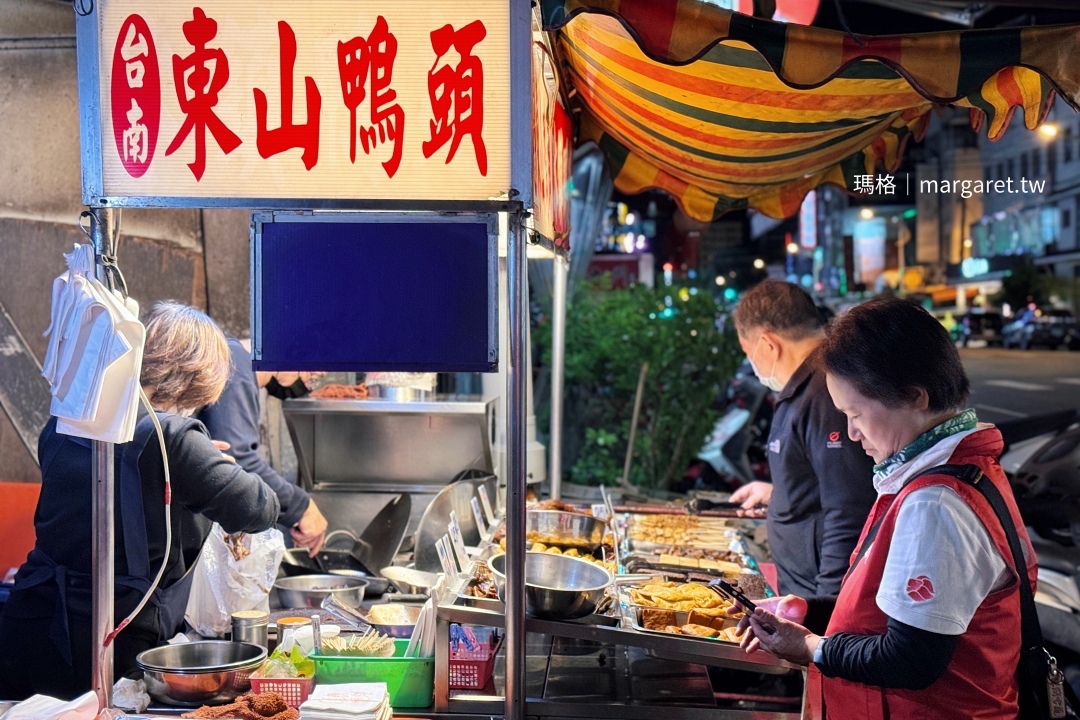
[656, 618]
[699, 631]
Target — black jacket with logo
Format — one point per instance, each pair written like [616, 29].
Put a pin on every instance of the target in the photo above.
[823, 486]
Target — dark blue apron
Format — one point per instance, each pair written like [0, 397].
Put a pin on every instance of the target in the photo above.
[169, 602]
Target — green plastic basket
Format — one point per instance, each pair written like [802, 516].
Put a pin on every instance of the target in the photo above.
[409, 681]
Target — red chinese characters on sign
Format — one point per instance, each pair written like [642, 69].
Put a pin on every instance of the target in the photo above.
[136, 96]
[289, 135]
[194, 73]
[457, 92]
[372, 56]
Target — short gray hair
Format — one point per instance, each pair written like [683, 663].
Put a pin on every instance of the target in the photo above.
[778, 307]
[186, 359]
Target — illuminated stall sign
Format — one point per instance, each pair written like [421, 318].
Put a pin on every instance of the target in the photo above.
[552, 153]
[329, 99]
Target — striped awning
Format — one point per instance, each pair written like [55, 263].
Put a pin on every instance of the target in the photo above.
[725, 111]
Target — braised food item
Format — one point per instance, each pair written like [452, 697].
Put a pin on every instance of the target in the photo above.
[657, 618]
[677, 596]
[253, 706]
[335, 391]
[699, 630]
[696, 553]
[482, 585]
[561, 507]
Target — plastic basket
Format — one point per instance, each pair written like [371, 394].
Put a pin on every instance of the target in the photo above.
[410, 682]
[294, 690]
[472, 669]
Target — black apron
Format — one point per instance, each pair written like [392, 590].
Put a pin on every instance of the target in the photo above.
[170, 603]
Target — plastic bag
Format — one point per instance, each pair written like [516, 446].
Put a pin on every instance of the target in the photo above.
[233, 573]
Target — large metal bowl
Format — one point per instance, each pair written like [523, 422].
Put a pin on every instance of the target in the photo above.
[308, 591]
[567, 529]
[210, 672]
[557, 587]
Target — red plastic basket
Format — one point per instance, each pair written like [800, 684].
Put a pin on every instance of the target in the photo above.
[472, 669]
[294, 690]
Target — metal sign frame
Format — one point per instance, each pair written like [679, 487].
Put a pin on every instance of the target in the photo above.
[92, 134]
[260, 219]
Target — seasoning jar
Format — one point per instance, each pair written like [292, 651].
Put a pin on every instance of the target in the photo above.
[287, 628]
[251, 626]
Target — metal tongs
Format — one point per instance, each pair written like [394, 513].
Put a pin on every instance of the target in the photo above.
[343, 612]
[728, 591]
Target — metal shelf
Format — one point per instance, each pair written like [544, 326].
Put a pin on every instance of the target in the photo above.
[672, 648]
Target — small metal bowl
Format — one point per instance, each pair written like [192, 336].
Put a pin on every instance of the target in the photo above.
[308, 591]
[209, 672]
[566, 529]
[397, 631]
[409, 580]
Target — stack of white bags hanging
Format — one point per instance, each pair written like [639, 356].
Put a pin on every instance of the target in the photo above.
[350, 701]
[94, 356]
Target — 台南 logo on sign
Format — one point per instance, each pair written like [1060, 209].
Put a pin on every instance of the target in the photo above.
[136, 96]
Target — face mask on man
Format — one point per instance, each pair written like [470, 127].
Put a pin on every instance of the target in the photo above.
[770, 381]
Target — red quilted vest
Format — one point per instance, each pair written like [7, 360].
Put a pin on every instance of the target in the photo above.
[980, 682]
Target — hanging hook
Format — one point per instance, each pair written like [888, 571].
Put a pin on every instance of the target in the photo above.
[843, 24]
[87, 230]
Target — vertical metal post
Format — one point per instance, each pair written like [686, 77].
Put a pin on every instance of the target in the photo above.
[102, 620]
[515, 475]
[561, 270]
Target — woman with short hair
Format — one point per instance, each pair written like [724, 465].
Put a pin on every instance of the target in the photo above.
[45, 626]
[927, 622]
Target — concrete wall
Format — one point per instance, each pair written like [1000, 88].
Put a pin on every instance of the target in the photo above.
[198, 257]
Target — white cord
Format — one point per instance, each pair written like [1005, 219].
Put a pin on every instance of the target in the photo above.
[168, 535]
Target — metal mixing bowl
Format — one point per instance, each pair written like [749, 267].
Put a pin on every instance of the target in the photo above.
[375, 585]
[210, 672]
[556, 586]
[308, 591]
[567, 529]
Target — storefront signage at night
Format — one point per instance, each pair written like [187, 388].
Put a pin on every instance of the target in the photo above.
[974, 267]
[552, 138]
[329, 100]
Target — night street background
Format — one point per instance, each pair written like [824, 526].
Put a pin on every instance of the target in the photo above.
[1007, 384]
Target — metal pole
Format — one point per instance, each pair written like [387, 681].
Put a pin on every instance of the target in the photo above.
[515, 475]
[102, 547]
[561, 273]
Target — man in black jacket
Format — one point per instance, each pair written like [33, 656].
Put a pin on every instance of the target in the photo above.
[234, 419]
[822, 483]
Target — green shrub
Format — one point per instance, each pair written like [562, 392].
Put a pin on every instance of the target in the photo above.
[610, 333]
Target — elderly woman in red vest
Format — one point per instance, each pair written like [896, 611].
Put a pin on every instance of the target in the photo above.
[927, 622]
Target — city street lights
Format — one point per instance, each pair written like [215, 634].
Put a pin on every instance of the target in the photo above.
[759, 264]
[792, 251]
[867, 213]
[720, 280]
[1048, 130]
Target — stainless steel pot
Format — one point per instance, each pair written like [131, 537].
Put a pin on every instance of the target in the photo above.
[210, 672]
[557, 587]
[308, 591]
[567, 529]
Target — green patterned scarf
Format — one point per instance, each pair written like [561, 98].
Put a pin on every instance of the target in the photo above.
[961, 423]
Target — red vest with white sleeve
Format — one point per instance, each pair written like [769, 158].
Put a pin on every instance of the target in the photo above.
[980, 682]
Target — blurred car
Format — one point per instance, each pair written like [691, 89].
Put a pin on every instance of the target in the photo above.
[1048, 328]
[980, 326]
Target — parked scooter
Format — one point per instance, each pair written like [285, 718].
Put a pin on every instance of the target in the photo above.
[736, 453]
[1042, 459]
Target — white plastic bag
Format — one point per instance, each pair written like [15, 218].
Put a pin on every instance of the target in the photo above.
[232, 576]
